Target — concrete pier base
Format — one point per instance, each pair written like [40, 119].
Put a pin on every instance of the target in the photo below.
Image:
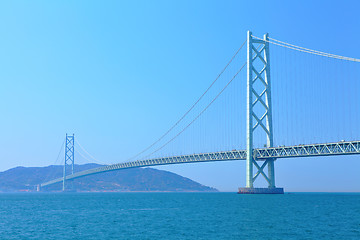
[261, 191]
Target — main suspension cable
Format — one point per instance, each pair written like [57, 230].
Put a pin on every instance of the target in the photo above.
[191, 108]
[55, 162]
[307, 50]
[96, 160]
[198, 114]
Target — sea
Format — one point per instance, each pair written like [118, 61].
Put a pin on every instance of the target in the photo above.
[179, 216]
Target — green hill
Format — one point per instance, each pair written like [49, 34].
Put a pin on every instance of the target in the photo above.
[136, 179]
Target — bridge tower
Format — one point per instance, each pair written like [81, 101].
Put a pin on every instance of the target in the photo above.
[259, 97]
[69, 156]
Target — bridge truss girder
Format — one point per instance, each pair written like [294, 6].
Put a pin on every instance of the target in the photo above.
[263, 154]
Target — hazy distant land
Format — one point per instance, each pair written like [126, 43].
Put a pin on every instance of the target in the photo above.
[24, 179]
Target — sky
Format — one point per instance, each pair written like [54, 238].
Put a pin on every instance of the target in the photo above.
[118, 74]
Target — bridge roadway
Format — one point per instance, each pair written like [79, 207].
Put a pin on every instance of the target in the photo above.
[310, 150]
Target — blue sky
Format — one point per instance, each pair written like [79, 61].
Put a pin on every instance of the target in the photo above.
[119, 73]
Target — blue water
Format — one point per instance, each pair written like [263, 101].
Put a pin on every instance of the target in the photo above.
[179, 216]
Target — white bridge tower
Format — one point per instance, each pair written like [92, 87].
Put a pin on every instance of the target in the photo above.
[260, 119]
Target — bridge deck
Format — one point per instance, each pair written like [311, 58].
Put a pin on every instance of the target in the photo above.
[311, 150]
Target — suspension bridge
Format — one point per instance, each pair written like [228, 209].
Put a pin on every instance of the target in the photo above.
[259, 152]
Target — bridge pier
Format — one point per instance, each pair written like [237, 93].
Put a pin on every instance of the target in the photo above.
[261, 190]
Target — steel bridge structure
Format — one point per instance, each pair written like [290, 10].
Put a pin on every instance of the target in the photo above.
[262, 154]
[258, 118]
